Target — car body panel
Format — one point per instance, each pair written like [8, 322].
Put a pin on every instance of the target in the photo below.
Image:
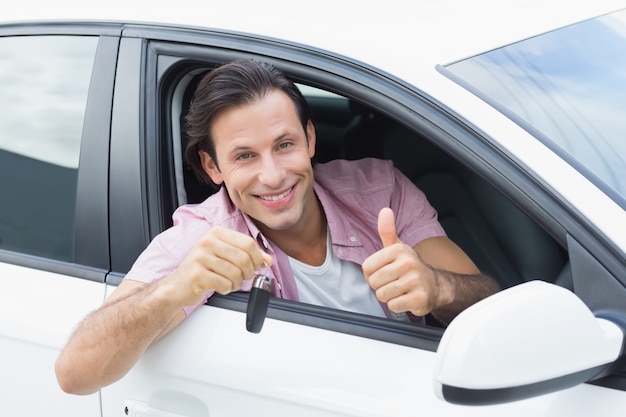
[39, 310]
[289, 369]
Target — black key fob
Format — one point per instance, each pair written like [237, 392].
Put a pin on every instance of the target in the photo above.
[258, 303]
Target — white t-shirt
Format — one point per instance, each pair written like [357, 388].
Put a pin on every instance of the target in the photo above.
[336, 283]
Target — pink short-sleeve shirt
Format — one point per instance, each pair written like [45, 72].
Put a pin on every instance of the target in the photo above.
[351, 194]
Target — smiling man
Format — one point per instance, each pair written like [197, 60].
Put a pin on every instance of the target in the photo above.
[353, 235]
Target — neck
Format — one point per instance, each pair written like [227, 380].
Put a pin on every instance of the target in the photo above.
[305, 242]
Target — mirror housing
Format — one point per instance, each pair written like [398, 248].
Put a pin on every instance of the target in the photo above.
[528, 340]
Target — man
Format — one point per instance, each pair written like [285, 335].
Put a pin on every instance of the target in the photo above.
[351, 235]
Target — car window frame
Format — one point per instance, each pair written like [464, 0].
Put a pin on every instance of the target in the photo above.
[165, 50]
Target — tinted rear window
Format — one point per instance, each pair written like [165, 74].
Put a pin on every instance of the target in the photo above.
[44, 82]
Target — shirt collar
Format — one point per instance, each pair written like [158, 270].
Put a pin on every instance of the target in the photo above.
[341, 227]
[256, 233]
[341, 230]
[231, 211]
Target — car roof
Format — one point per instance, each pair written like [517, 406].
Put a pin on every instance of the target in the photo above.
[406, 38]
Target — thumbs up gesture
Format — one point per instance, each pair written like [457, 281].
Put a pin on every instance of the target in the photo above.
[397, 273]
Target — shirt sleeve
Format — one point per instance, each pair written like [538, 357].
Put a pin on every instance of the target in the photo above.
[164, 253]
[416, 219]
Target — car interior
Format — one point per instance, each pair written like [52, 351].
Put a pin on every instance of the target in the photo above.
[502, 240]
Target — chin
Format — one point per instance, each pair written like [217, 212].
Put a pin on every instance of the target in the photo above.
[278, 224]
[282, 226]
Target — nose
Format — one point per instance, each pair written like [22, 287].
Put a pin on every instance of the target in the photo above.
[271, 172]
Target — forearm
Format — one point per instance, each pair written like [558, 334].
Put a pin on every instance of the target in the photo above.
[111, 340]
[459, 292]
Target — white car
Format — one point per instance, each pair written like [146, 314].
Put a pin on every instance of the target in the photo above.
[509, 115]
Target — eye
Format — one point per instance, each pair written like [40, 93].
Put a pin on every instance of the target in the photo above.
[284, 145]
[243, 156]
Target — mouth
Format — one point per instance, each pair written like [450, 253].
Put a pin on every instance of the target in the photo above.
[275, 197]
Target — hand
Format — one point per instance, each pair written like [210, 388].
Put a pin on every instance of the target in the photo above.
[397, 274]
[219, 262]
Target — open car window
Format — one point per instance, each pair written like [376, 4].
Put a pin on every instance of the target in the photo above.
[501, 239]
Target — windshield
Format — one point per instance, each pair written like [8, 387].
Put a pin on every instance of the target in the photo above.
[568, 88]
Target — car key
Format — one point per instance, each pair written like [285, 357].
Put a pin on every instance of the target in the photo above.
[258, 302]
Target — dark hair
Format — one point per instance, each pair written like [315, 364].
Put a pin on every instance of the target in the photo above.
[234, 84]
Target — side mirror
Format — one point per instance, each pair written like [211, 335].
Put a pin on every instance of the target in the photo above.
[522, 342]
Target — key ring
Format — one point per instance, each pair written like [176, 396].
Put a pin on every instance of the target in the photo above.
[263, 268]
[261, 279]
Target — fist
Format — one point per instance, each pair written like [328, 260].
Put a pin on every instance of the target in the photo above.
[397, 273]
[221, 261]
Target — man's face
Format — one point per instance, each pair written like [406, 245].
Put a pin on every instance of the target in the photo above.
[265, 161]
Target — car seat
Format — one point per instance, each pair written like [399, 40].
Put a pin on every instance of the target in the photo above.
[501, 239]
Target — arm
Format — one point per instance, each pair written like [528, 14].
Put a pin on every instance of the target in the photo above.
[458, 282]
[435, 276]
[110, 340]
[108, 343]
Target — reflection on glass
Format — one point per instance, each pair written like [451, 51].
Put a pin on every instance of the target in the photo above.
[44, 82]
[569, 88]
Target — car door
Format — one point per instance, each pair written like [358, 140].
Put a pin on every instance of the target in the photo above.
[55, 81]
[307, 360]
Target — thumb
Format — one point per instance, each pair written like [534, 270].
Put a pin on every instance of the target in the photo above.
[267, 259]
[387, 227]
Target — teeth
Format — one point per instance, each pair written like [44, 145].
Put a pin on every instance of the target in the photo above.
[274, 197]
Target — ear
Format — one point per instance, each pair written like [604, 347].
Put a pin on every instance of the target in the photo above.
[310, 134]
[210, 167]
